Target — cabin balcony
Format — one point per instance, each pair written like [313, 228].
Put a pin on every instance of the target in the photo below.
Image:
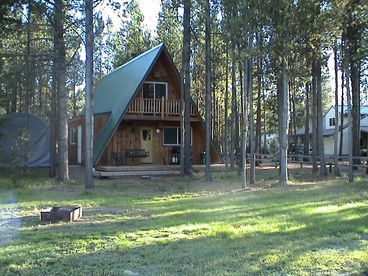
[156, 109]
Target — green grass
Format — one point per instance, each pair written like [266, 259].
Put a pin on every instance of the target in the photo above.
[181, 226]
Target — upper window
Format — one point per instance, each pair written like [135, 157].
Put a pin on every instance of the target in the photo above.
[73, 136]
[155, 90]
[332, 121]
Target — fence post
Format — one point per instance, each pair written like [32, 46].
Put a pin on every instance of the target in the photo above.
[301, 157]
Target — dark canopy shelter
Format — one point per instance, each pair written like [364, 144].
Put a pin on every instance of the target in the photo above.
[14, 146]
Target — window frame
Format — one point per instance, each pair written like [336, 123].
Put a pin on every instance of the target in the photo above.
[178, 133]
[154, 89]
[73, 136]
[332, 119]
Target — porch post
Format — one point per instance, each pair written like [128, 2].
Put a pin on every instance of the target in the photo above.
[162, 106]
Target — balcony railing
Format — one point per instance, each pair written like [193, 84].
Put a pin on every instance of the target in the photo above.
[157, 107]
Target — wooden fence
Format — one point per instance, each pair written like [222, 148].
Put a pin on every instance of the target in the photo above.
[308, 160]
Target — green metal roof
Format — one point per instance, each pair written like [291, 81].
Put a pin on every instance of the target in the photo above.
[115, 91]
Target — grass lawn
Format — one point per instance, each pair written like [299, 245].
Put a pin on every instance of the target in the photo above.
[181, 226]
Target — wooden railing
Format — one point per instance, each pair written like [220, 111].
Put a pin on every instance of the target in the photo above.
[157, 107]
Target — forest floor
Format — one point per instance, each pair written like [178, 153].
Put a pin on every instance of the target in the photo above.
[183, 226]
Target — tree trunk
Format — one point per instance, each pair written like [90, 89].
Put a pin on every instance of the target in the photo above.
[291, 119]
[237, 129]
[342, 50]
[321, 147]
[244, 127]
[283, 124]
[233, 107]
[226, 130]
[241, 117]
[295, 139]
[353, 41]
[336, 134]
[208, 92]
[186, 87]
[53, 112]
[264, 122]
[89, 95]
[314, 120]
[28, 82]
[307, 119]
[252, 173]
[350, 124]
[259, 109]
[62, 97]
[355, 111]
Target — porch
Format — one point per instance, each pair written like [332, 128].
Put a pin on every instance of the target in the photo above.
[139, 170]
[157, 108]
[149, 170]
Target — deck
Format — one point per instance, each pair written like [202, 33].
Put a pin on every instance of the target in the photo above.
[157, 108]
[148, 170]
[144, 170]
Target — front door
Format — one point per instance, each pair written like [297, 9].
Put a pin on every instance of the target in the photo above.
[79, 145]
[146, 134]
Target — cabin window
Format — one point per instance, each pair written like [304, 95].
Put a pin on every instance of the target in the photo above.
[73, 136]
[172, 136]
[155, 90]
[332, 121]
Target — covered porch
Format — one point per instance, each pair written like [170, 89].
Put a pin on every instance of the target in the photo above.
[152, 143]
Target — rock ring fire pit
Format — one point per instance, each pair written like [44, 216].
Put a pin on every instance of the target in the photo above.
[65, 213]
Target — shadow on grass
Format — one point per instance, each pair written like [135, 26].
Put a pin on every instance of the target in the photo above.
[216, 253]
[281, 231]
[244, 233]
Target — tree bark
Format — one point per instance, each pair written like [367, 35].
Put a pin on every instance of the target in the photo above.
[283, 124]
[244, 126]
[28, 82]
[233, 107]
[336, 134]
[241, 117]
[62, 97]
[295, 139]
[342, 50]
[89, 96]
[314, 120]
[264, 122]
[226, 130]
[355, 111]
[353, 38]
[321, 147]
[307, 120]
[208, 92]
[350, 124]
[53, 112]
[259, 110]
[186, 85]
[252, 173]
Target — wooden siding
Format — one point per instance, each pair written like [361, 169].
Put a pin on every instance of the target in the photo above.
[99, 120]
[127, 137]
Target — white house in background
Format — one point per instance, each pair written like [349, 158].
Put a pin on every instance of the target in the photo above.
[329, 122]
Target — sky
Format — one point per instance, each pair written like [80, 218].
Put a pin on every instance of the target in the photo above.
[150, 10]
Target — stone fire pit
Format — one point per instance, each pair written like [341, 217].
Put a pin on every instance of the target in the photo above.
[65, 213]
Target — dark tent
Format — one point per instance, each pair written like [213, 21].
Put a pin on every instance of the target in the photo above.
[14, 146]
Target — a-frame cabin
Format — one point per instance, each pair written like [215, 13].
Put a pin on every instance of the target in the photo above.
[137, 116]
